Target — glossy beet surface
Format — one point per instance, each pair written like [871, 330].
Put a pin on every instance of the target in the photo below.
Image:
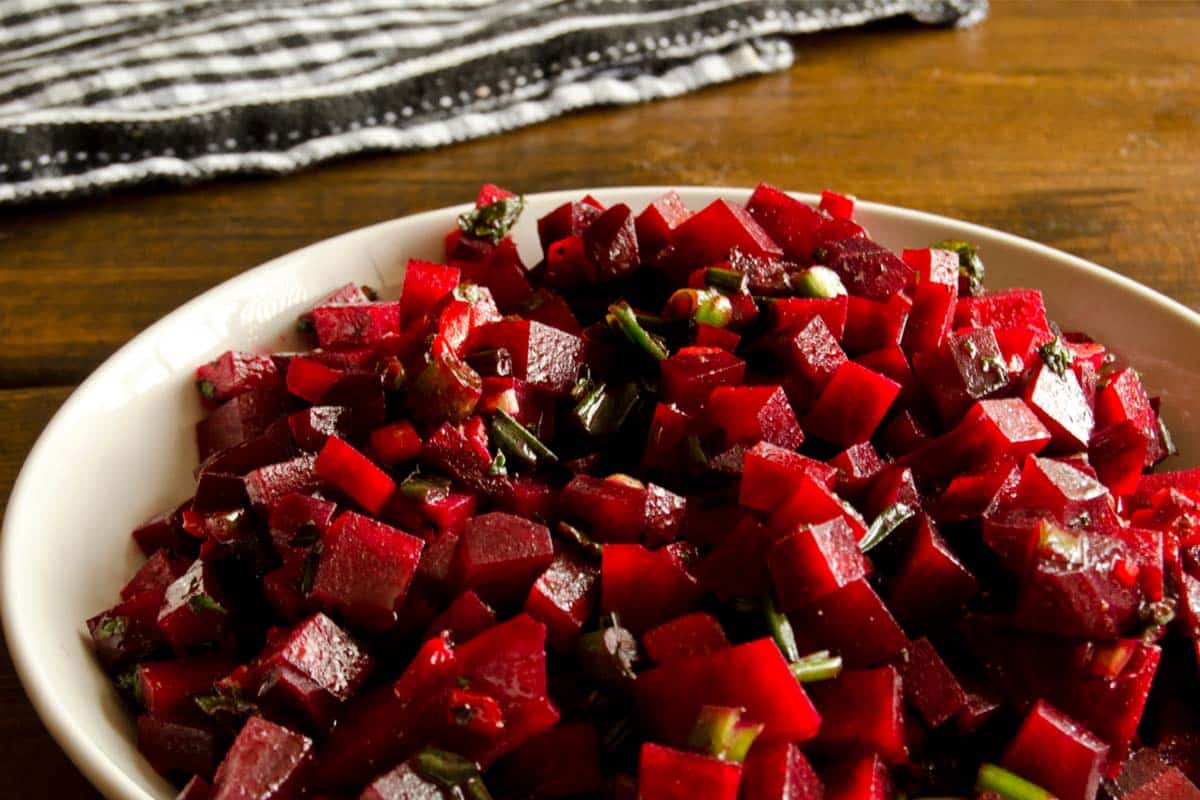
[727, 502]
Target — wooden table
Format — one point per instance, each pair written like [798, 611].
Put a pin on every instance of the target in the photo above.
[1074, 123]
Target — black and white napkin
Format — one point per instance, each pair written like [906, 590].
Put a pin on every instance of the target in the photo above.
[104, 93]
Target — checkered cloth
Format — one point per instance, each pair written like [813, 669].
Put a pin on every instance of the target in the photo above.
[103, 93]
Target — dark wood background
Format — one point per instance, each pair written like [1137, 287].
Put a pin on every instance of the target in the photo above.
[1073, 123]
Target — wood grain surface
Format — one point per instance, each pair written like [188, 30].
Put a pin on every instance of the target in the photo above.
[1073, 123]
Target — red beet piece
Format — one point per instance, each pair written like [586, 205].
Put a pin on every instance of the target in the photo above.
[752, 676]
[656, 225]
[178, 748]
[196, 789]
[560, 762]
[233, 373]
[665, 512]
[779, 771]
[310, 380]
[932, 583]
[793, 313]
[811, 352]
[929, 685]
[1059, 401]
[771, 474]
[814, 561]
[365, 569]
[1118, 454]
[544, 357]
[446, 389]
[868, 269]
[1057, 753]
[865, 778]
[967, 367]
[812, 502]
[266, 761]
[1006, 308]
[851, 406]
[501, 555]
[355, 475]
[296, 521]
[668, 774]
[856, 466]
[313, 670]
[710, 234]
[838, 206]
[862, 713]
[159, 571]
[128, 632]
[736, 566]
[611, 243]
[692, 373]
[871, 324]
[402, 783]
[853, 622]
[668, 429]
[355, 325]
[683, 637]
[503, 273]
[425, 285]
[192, 612]
[569, 219]
[749, 414]
[646, 587]
[1062, 489]
[1170, 784]
[550, 308]
[1187, 480]
[1125, 398]
[465, 618]
[166, 688]
[788, 221]
[611, 511]
[161, 530]
[242, 418]
[266, 485]
[563, 597]
[312, 426]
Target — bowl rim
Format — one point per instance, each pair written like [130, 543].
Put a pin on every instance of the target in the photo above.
[104, 774]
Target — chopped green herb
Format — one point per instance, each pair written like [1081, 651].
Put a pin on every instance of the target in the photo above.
[493, 221]
[1168, 441]
[205, 602]
[618, 734]
[306, 535]
[720, 733]
[469, 292]
[207, 390]
[781, 629]
[127, 683]
[992, 364]
[626, 322]
[705, 306]
[818, 282]
[885, 524]
[694, 449]
[970, 265]
[818, 666]
[490, 363]
[608, 655]
[229, 704]
[516, 441]
[1008, 785]
[586, 543]
[1058, 356]
[112, 626]
[309, 574]
[603, 411]
[452, 772]
[304, 325]
[425, 488]
[729, 280]
[499, 464]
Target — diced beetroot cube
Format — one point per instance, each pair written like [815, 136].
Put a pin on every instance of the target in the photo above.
[789, 313]
[814, 561]
[402, 783]
[983, 703]
[895, 484]
[503, 273]
[1118, 454]
[166, 688]
[1060, 403]
[1170, 784]
[463, 619]
[736, 566]
[1019, 347]
[668, 429]
[853, 622]
[751, 676]
[938, 267]
[749, 414]
[665, 513]
[353, 325]
[1125, 398]
[868, 269]
[218, 490]
[902, 435]
[458, 320]
[779, 771]
[1062, 489]
[567, 264]
[872, 324]
[668, 774]
[932, 582]
[929, 685]
[862, 713]
[354, 474]
[551, 308]
[159, 572]
[128, 632]
[352, 358]
[657, 223]
[161, 531]
[196, 789]
[646, 587]
[851, 406]
[560, 762]
[396, 442]
[710, 234]
[175, 748]
[310, 380]
[563, 597]
[1007, 308]
[448, 450]
[891, 362]
[811, 352]
[283, 590]
[569, 219]
[967, 367]
[772, 474]
[272, 446]
[856, 466]
[865, 778]
[545, 357]
[192, 612]
[316, 668]
[266, 761]
[789, 222]
[1057, 753]
[692, 373]
[1186, 480]
[239, 419]
[974, 494]
[838, 206]
[233, 373]
[611, 243]
[295, 520]
[683, 637]
[312, 426]
[425, 285]
[613, 511]
[365, 569]
[501, 555]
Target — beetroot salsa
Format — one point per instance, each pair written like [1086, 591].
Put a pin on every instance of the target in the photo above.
[713, 504]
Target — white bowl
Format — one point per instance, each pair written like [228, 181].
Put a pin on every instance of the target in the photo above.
[121, 448]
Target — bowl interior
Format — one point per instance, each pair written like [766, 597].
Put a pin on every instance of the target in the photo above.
[122, 449]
